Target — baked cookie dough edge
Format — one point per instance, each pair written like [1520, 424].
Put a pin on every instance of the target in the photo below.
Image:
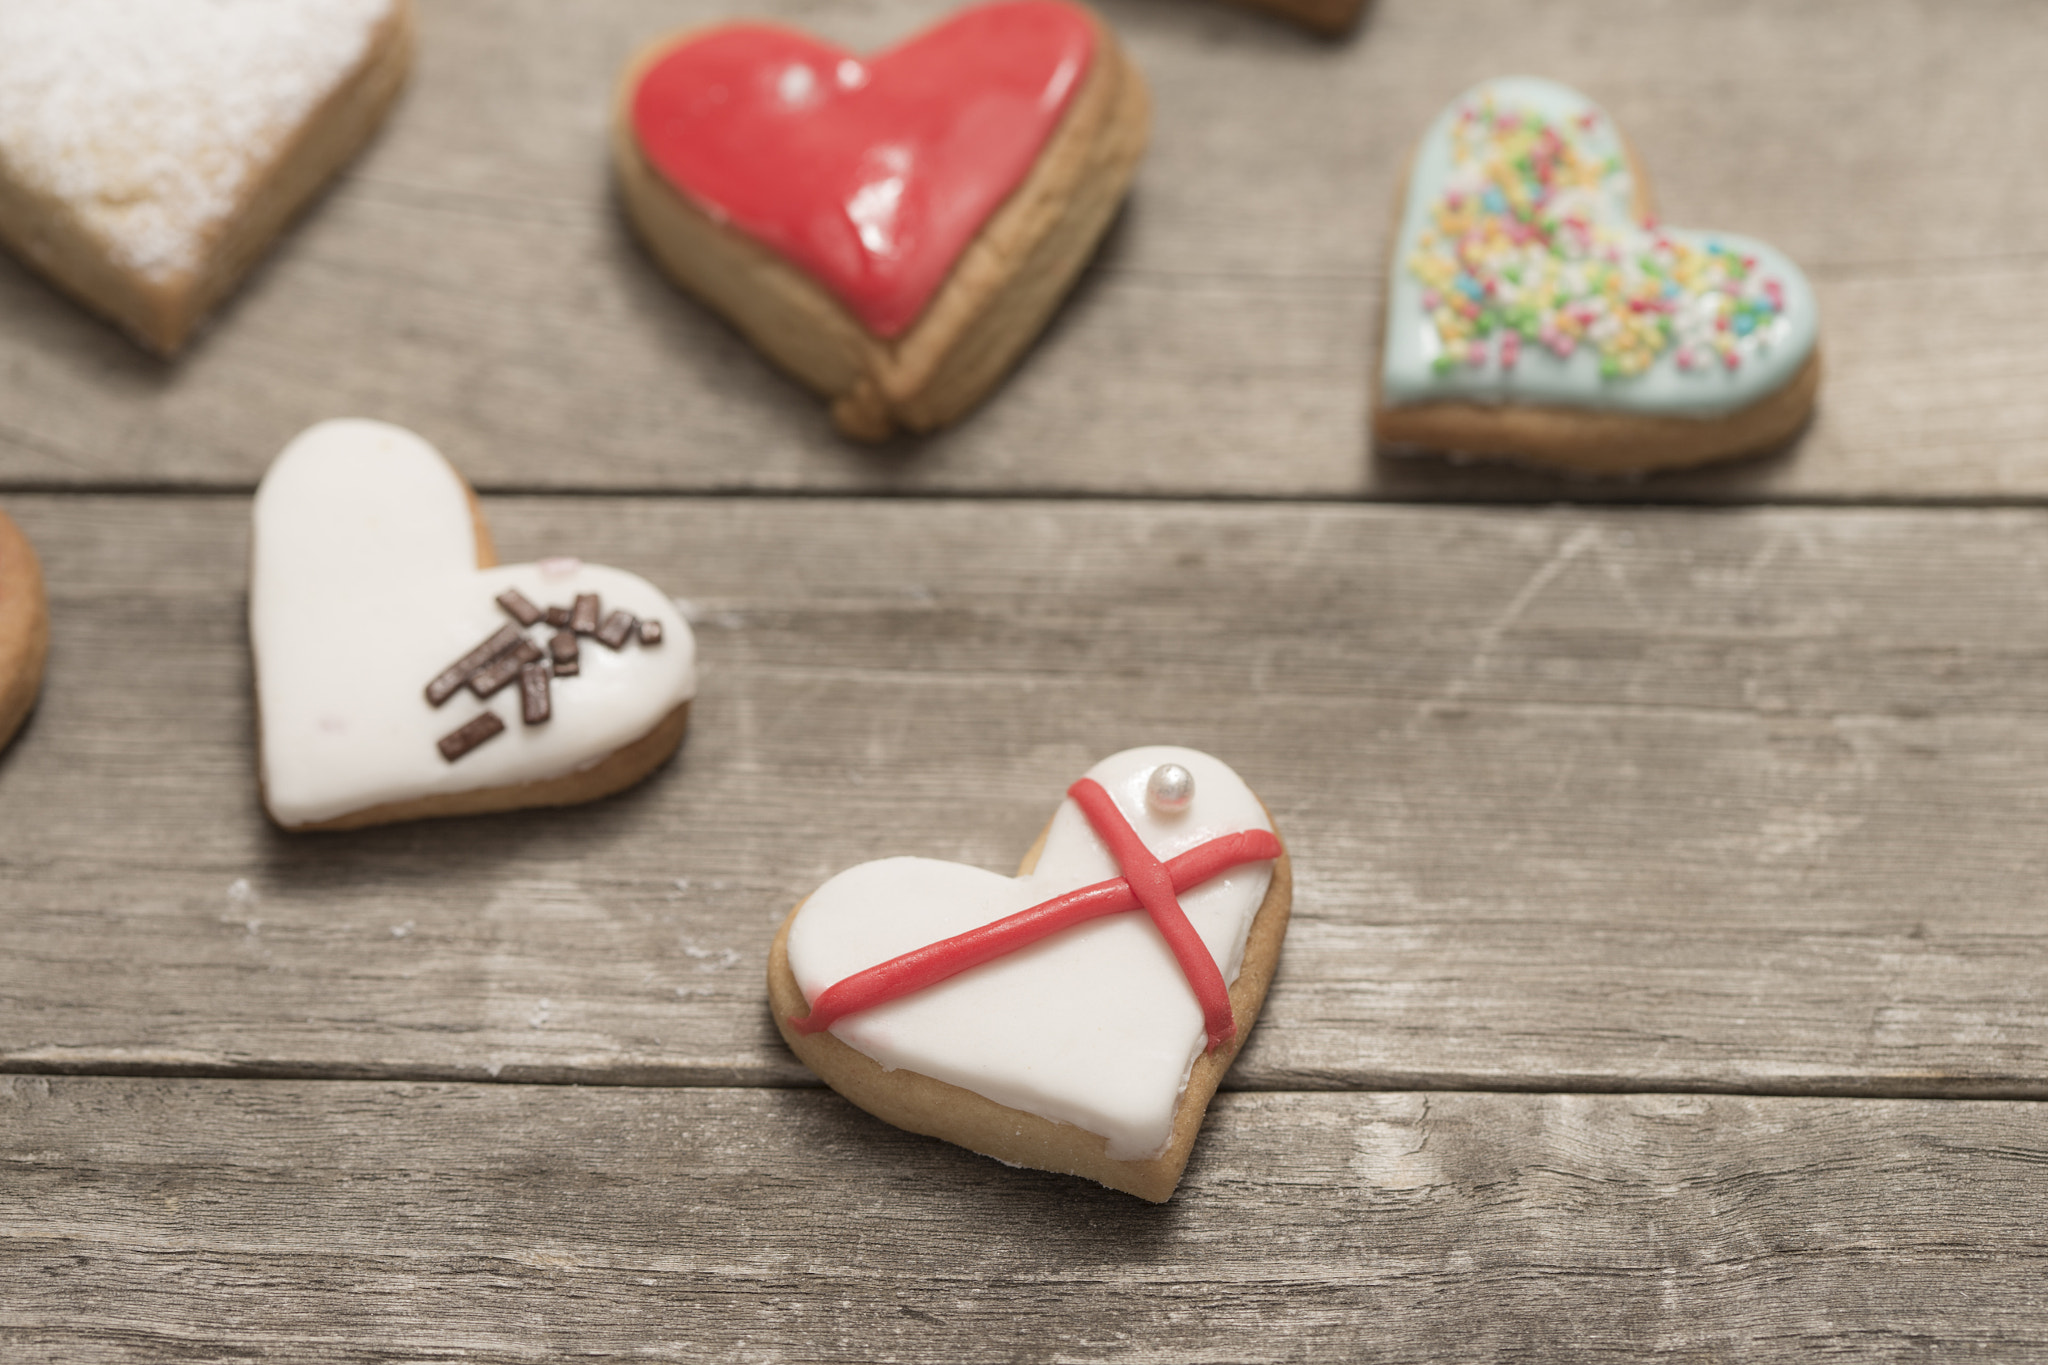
[1589, 441]
[24, 629]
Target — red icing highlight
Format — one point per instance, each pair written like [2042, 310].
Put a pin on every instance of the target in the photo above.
[873, 175]
[928, 966]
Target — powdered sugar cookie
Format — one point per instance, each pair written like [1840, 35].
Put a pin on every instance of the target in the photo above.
[1076, 1017]
[150, 149]
[24, 629]
[893, 230]
[401, 672]
[1536, 311]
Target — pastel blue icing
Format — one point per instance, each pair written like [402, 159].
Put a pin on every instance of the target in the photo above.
[1408, 376]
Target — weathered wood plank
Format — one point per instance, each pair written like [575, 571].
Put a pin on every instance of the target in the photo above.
[184, 1220]
[1578, 799]
[471, 277]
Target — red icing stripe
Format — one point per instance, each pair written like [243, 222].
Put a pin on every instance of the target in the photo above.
[870, 175]
[925, 967]
[1153, 886]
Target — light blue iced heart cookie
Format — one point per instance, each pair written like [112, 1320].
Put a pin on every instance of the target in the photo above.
[1537, 311]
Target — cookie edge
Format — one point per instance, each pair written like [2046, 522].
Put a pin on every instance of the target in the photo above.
[621, 768]
[24, 630]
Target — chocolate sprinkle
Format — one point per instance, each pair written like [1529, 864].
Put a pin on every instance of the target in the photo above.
[456, 743]
[509, 656]
[504, 668]
[456, 674]
[617, 629]
[518, 607]
[534, 706]
[566, 653]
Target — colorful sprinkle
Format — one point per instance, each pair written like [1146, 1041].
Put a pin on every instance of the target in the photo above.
[1532, 241]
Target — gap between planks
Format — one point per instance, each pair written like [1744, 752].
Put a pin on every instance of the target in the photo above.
[1505, 488]
[1935, 1090]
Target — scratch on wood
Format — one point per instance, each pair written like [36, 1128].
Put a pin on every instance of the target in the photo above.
[1489, 635]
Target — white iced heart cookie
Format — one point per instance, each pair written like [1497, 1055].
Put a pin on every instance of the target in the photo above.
[402, 673]
[1535, 310]
[149, 149]
[1076, 1017]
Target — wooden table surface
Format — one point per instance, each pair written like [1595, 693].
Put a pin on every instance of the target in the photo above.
[1669, 973]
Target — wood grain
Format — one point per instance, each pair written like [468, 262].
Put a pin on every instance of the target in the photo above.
[188, 1220]
[471, 277]
[1586, 800]
[1721, 800]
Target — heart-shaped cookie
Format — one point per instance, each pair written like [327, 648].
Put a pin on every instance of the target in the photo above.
[24, 629]
[149, 151]
[893, 229]
[1076, 1017]
[1536, 311]
[401, 672]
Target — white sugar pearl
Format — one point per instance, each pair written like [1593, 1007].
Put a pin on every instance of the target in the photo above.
[1170, 789]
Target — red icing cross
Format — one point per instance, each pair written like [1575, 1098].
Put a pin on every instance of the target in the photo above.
[1146, 882]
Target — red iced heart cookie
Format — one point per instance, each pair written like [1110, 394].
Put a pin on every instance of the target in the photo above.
[870, 175]
[893, 229]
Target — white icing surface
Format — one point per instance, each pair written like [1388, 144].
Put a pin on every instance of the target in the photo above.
[149, 117]
[363, 587]
[1095, 1026]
